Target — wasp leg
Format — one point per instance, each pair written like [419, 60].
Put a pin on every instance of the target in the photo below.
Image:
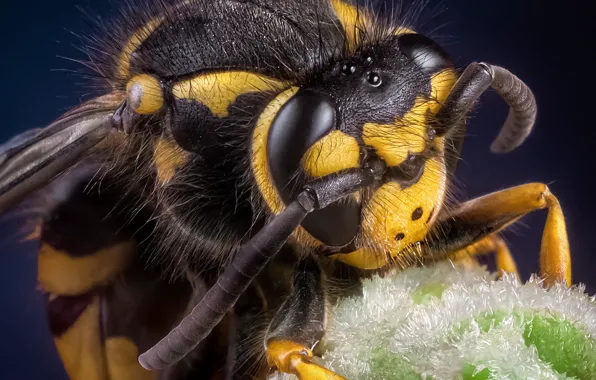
[504, 259]
[298, 326]
[477, 218]
[492, 243]
[250, 259]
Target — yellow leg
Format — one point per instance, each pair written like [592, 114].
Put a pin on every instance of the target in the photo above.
[492, 243]
[504, 259]
[504, 207]
[293, 358]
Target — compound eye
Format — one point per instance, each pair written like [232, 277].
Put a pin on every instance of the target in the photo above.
[374, 79]
[301, 122]
[427, 54]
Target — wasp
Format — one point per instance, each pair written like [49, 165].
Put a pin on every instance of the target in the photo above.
[244, 155]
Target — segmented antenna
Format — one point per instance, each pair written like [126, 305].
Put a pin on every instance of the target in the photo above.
[472, 83]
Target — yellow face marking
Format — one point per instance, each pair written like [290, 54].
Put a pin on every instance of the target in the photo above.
[133, 43]
[259, 150]
[144, 94]
[395, 219]
[388, 224]
[62, 274]
[389, 212]
[441, 85]
[391, 207]
[122, 360]
[81, 348]
[167, 157]
[217, 91]
[334, 152]
[363, 258]
[352, 20]
[394, 142]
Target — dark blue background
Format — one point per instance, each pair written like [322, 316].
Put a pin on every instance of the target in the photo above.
[547, 46]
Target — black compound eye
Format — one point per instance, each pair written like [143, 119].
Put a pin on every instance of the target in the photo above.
[301, 122]
[425, 52]
[374, 79]
[348, 69]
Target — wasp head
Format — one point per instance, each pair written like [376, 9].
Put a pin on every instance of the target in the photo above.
[374, 105]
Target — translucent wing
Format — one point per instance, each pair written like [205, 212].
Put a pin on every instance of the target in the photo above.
[31, 160]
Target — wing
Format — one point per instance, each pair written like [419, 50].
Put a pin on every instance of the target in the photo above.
[31, 160]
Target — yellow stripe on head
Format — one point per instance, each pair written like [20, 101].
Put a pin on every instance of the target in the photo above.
[334, 152]
[393, 143]
[217, 91]
[409, 134]
[395, 219]
[355, 19]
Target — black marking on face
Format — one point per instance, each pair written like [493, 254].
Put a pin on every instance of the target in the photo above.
[408, 172]
[417, 214]
[376, 85]
[400, 236]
